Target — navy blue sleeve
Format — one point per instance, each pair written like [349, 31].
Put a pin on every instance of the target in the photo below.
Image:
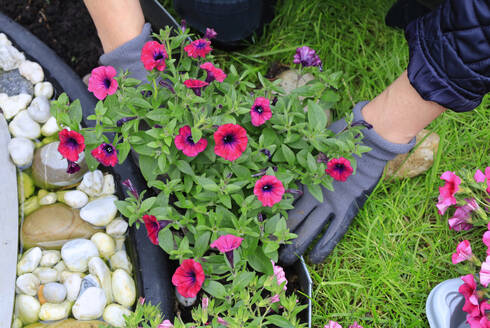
[450, 54]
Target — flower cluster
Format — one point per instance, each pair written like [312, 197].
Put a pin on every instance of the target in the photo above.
[225, 158]
[470, 196]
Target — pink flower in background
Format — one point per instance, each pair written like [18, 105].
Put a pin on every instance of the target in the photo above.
[210, 33]
[166, 324]
[153, 55]
[355, 325]
[205, 303]
[479, 176]
[460, 220]
[195, 85]
[213, 73]
[227, 243]
[447, 192]
[102, 82]
[486, 238]
[183, 141]
[463, 252]
[222, 322]
[269, 190]
[198, 48]
[280, 275]
[479, 319]
[260, 111]
[275, 299]
[485, 272]
[468, 290]
[332, 324]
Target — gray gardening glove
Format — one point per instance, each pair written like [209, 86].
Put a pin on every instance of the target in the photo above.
[309, 217]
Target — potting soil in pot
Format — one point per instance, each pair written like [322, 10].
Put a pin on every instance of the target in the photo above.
[73, 262]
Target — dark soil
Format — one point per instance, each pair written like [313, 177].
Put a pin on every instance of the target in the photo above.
[64, 25]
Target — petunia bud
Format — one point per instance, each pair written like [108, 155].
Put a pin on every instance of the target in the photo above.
[274, 101]
[72, 167]
[266, 152]
[146, 93]
[168, 85]
[322, 158]
[183, 25]
[123, 120]
[128, 184]
[210, 33]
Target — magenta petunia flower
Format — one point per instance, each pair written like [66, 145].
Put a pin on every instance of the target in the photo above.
[332, 324]
[274, 299]
[102, 82]
[463, 252]
[486, 238]
[230, 141]
[153, 55]
[214, 73]
[478, 318]
[260, 111]
[280, 275]
[153, 227]
[210, 33]
[73, 167]
[269, 190]
[339, 168]
[485, 272]
[106, 154]
[355, 325]
[460, 220]
[71, 144]
[479, 176]
[188, 278]
[446, 193]
[468, 290]
[166, 324]
[183, 141]
[307, 57]
[227, 243]
[195, 85]
[198, 48]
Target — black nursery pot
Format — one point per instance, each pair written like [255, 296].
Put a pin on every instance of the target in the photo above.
[152, 274]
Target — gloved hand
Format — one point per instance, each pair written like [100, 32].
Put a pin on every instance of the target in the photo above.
[309, 217]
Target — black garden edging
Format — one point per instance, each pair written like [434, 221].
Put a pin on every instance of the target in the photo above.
[151, 263]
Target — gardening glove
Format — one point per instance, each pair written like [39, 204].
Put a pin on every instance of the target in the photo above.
[309, 216]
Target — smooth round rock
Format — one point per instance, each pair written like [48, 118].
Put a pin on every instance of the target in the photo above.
[69, 323]
[39, 109]
[49, 168]
[100, 211]
[50, 258]
[72, 285]
[27, 284]
[54, 292]
[123, 288]
[17, 323]
[48, 199]
[21, 151]
[50, 127]
[89, 281]
[76, 254]
[54, 311]
[105, 244]
[10, 57]
[98, 268]
[108, 187]
[29, 261]
[24, 126]
[120, 260]
[90, 305]
[12, 83]
[117, 227]
[114, 315]
[27, 308]
[11, 106]
[53, 225]
[60, 267]
[31, 71]
[44, 89]
[92, 183]
[46, 275]
[75, 198]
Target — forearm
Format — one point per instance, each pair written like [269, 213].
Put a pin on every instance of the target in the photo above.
[117, 21]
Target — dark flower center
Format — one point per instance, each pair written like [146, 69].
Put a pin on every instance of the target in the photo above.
[200, 45]
[192, 275]
[108, 148]
[229, 138]
[71, 142]
[339, 167]
[267, 188]
[158, 56]
[259, 109]
[190, 140]
[452, 187]
[107, 83]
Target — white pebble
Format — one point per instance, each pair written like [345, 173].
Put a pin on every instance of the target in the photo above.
[100, 211]
[24, 126]
[50, 258]
[72, 284]
[108, 188]
[105, 244]
[92, 183]
[10, 57]
[123, 288]
[53, 311]
[120, 243]
[28, 284]
[46, 275]
[31, 71]
[75, 198]
[98, 268]
[48, 199]
[44, 89]
[117, 227]
[54, 292]
[4, 41]
[50, 127]
[39, 109]
[114, 315]
[90, 305]
[60, 267]
[76, 253]
[120, 260]
[21, 151]
[27, 308]
[13, 105]
[29, 261]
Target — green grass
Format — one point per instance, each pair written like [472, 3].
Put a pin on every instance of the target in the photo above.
[398, 248]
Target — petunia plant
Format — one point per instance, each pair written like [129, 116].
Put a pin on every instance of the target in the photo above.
[224, 154]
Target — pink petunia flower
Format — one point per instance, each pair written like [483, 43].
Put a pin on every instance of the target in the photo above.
[339, 169]
[486, 240]
[213, 73]
[260, 111]
[166, 324]
[269, 190]
[274, 299]
[280, 275]
[195, 85]
[222, 322]
[485, 272]
[460, 220]
[446, 193]
[188, 278]
[71, 144]
[226, 244]
[468, 290]
[210, 33]
[463, 252]
[153, 55]
[355, 325]
[106, 154]
[479, 176]
[198, 48]
[183, 141]
[332, 324]
[230, 141]
[102, 82]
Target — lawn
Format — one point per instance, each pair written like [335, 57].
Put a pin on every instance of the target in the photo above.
[398, 247]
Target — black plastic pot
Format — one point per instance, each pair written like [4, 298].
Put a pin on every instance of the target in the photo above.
[150, 262]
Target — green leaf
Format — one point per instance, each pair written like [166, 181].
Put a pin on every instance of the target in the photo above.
[206, 183]
[140, 102]
[202, 244]
[123, 151]
[316, 116]
[316, 191]
[242, 280]
[288, 154]
[260, 262]
[166, 240]
[311, 163]
[279, 321]
[75, 113]
[196, 134]
[214, 288]
[184, 167]
[147, 167]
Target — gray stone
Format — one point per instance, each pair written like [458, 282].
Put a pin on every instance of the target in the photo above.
[12, 83]
[49, 168]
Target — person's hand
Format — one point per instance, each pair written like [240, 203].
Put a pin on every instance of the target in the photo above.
[309, 216]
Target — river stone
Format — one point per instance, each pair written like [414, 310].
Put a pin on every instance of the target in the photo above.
[21, 151]
[90, 305]
[24, 126]
[10, 57]
[89, 281]
[123, 288]
[114, 315]
[49, 168]
[419, 161]
[53, 225]
[27, 308]
[50, 258]
[76, 254]
[28, 284]
[98, 268]
[39, 109]
[46, 275]
[105, 244]
[11, 106]
[117, 227]
[120, 260]
[44, 89]
[72, 284]
[54, 292]
[68, 323]
[92, 183]
[31, 71]
[50, 127]
[54, 311]
[100, 211]
[12, 83]
[75, 198]
[29, 261]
